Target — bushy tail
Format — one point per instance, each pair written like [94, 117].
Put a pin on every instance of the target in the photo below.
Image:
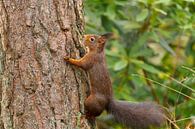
[137, 115]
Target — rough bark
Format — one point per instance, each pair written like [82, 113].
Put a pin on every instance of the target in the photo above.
[38, 90]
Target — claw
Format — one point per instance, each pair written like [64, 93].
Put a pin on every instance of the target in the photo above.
[66, 58]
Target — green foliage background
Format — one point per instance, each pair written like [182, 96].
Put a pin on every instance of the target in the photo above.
[151, 57]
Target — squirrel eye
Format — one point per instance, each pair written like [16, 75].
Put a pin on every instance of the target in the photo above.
[92, 39]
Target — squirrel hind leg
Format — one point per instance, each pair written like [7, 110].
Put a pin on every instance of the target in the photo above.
[94, 105]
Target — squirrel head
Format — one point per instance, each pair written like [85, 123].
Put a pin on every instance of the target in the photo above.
[96, 42]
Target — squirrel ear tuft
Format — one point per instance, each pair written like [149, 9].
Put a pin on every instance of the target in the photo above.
[107, 35]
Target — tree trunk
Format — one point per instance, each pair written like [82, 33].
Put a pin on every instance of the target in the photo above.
[38, 90]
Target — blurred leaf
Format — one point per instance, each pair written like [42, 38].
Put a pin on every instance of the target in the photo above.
[160, 11]
[187, 108]
[164, 44]
[123, 93]
[121, 3]
[132, 25]
[189, 0]
[143, 1]
[138, 46]
[142, 16]
[145, 53]
[138, 81]
[107, 23]
[110, 11]
[112, 53]
[122, 15]
[146, 66]
[165, 2]
[117, 50]
[190, 48]
[120, 65]
[187, 26]
[190, 80]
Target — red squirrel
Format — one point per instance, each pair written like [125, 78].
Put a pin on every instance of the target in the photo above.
[133, 115]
